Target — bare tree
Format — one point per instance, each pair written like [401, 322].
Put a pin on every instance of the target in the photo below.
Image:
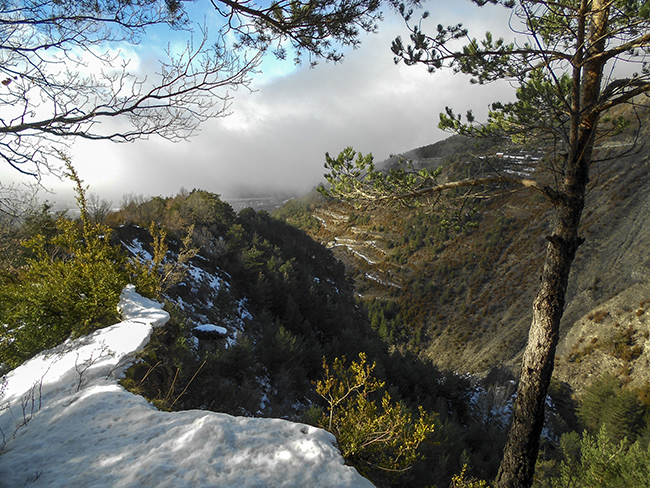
[15, 201]
[98, 209]
[62, 77]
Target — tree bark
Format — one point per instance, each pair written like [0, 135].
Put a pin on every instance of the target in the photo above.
[522, 446]
[520, 454]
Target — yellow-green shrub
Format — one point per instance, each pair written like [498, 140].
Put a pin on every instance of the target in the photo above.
[69, 287]
[371, 436]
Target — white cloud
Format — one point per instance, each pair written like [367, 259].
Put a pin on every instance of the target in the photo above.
[278, 135]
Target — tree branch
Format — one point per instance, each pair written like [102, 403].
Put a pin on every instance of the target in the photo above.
[549, 193]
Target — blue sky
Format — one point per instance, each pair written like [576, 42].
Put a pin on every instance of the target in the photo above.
[277, 135]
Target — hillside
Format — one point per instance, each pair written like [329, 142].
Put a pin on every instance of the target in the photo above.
[457, 287]
[259, 309]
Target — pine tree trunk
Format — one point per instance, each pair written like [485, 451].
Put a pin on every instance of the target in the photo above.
[522, 446]
[520, 454]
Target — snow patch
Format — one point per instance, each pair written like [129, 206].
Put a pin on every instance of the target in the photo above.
[65, 421]
[200, 276]
[211, 329]
[136, 248]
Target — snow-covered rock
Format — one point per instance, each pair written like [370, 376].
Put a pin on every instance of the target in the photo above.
[211, 329]
[66, 422]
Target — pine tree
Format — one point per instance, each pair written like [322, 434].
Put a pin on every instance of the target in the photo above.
[557, 58]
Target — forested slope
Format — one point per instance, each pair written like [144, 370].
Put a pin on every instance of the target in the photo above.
[456, 283]
[257, 308]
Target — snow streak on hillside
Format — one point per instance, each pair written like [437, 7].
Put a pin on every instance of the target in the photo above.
[65, 422]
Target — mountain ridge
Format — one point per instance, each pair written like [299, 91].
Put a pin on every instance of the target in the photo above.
[465, 295]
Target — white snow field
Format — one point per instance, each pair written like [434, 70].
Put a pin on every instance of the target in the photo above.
[67, 423]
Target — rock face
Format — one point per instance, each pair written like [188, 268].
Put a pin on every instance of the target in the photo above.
[614, 337]
[478, 285]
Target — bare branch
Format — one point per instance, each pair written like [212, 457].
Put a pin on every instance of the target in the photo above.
[548, 192]
[61, 78]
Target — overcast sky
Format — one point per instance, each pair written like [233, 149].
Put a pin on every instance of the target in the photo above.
[277, 136]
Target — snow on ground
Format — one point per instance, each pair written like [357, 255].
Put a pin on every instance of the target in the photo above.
[137, 249]
[65, 422]
[382, 282]
[217, 329]
[199, 276]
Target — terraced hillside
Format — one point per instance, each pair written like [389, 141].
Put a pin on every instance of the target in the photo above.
[457, 286]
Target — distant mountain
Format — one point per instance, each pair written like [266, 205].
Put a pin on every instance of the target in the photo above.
[458, 287]
[257, 203]
[440, 151]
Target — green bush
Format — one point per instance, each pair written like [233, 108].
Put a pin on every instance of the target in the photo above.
[607, 403]
[69, 287]
[597, 460]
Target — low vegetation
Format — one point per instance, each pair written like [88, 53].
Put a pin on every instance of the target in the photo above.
[65, 283]
[374, 433]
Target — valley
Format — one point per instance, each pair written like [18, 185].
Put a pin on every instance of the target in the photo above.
[460, 295]
[263, 306]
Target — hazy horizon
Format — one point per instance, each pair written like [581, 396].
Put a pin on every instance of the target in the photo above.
[277, 136]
